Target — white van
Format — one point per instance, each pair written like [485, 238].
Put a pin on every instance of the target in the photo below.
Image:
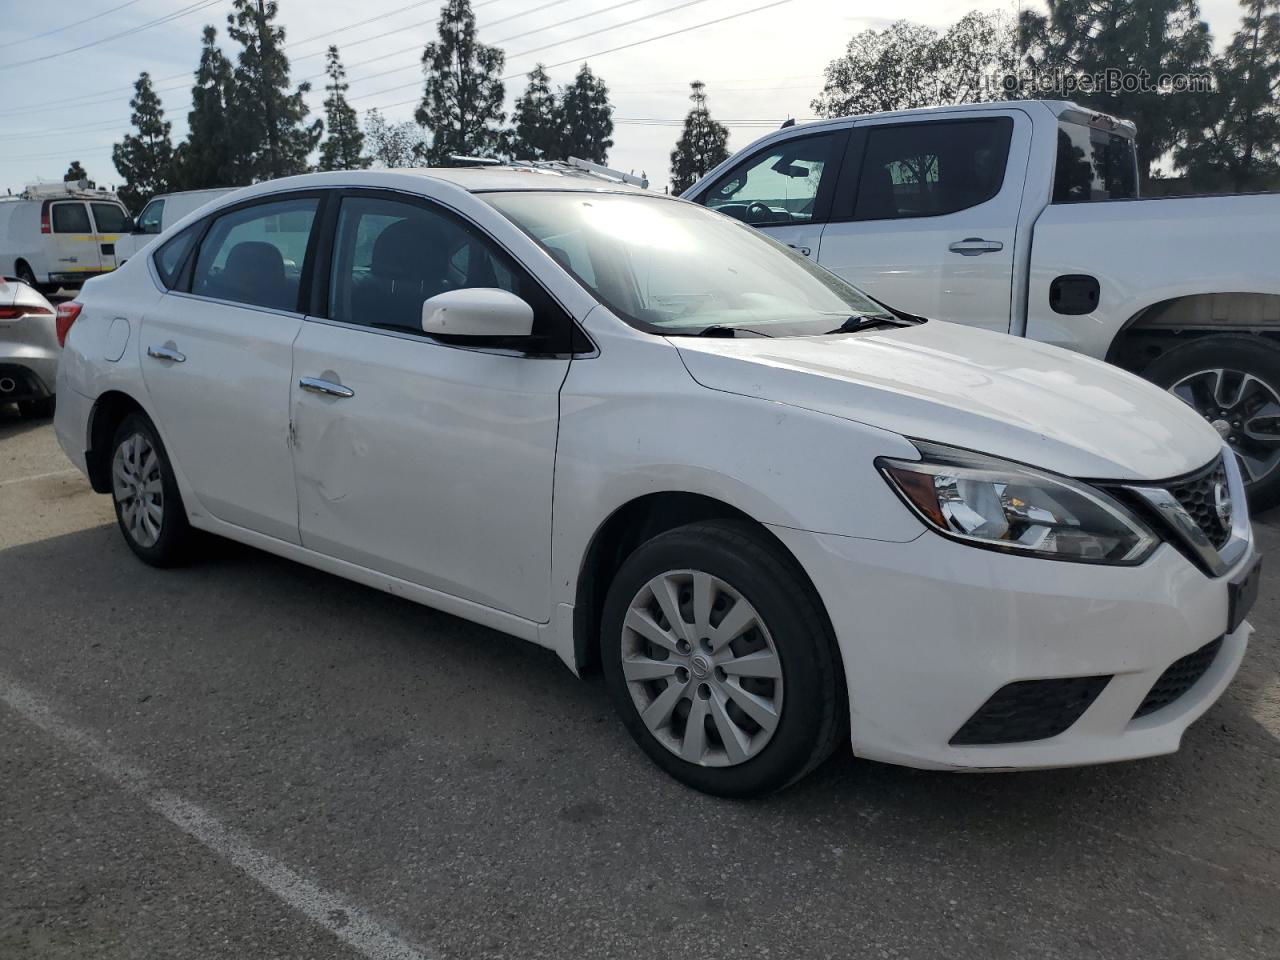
[60, 234]
[161, 213]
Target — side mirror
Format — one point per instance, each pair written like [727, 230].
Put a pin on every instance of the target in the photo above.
[477, 312]
[129, 226]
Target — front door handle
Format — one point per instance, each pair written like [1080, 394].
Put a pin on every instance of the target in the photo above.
[327, 387]
[975, 246]
[166, 353]
[803, 251]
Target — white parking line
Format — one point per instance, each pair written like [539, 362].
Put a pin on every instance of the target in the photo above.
[329, 910]
[40, 476]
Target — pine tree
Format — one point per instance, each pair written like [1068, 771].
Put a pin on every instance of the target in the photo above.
[463, 92]
[75, 172]
[145, 158]
[393, 145]
[341, 150]
[1153, 37]
[268, 132]
[1235, 143]
[703, 144]
[205, 158]
[537, 133]
[587, 118]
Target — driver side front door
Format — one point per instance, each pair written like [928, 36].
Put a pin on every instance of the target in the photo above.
[784, 189]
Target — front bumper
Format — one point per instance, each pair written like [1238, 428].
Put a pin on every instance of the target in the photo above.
[930, 630]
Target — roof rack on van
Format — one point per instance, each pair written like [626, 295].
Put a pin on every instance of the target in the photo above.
[65, 188]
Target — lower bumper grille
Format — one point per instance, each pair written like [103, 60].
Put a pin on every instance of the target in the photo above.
[1180, 677]
[1030, 710]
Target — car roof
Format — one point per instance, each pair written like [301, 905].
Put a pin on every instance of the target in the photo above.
[491, 177]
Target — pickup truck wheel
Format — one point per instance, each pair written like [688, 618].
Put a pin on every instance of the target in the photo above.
[720, 660]
[1234, 383]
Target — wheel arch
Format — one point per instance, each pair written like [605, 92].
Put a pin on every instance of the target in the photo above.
[629, 525]
[1163, 325]
[108, 412]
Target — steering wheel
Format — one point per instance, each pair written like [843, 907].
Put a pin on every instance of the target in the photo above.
[757, 212]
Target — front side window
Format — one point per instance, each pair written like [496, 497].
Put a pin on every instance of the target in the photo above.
[778, 186]
[70, 218]
[109, 217]
[1093, 165]
[255, 255]
[930, 169]
[390, 256]
[679, 269]
[149, 219]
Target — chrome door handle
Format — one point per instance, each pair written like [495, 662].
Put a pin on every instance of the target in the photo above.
[166, 353]
[328, 388]
[975, 246]
[803, 251]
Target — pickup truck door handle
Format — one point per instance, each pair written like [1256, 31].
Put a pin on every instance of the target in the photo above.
[166, 353]
[975, 246]
[328, 388]
[803, 251]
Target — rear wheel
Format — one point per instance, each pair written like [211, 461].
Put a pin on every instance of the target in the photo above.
[720, 660]
[26, 275]
[1234, 383]
[148, 505]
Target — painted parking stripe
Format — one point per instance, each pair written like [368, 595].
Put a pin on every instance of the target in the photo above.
[40, 476]
[333, 912]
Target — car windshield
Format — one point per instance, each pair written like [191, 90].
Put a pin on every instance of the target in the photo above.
[682, 270]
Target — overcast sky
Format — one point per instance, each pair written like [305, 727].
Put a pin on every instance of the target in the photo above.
[762, 66]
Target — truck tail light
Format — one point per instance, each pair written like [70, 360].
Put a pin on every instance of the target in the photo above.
[44, 219]
[67, 315]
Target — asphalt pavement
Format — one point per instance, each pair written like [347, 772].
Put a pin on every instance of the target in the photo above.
[247, 759]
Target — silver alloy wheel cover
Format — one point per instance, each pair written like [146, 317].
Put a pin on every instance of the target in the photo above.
[1247, 415]
[138, 489]
[686, 679]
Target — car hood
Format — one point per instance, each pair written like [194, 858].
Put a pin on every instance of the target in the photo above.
[969, 388]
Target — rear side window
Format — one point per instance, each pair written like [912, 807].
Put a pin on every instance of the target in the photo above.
[173, 254]
[1093, 165]
[255, 255]
[931, 169]
[109, 217]
[70, 218]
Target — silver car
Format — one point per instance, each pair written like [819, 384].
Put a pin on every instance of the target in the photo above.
[28, 348]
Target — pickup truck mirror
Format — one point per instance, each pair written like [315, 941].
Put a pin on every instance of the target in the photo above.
[130, 226]
[477, 312]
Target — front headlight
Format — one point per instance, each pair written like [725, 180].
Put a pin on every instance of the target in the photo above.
[1007, 506]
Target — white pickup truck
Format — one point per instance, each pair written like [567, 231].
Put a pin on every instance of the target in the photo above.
[1024, 217]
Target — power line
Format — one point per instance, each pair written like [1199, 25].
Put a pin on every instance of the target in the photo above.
[360, 23]
[202, 4]
[49, 33]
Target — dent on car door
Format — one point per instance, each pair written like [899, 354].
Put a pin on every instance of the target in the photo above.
[925, 216]
[217, 361]
[425, 460]
[784, 189]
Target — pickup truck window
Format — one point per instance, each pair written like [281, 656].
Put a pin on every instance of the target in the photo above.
[779, 185]
[930, 169]
[1093, 165]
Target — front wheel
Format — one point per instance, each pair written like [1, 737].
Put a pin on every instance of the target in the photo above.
[148, 505]
[720, 660]
[1233, 381]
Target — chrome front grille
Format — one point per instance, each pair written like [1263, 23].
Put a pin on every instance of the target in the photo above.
[1207, 501]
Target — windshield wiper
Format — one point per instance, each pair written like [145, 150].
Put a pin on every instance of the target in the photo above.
[862, 321]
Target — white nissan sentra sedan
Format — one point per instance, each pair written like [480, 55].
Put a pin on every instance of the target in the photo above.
[773, 512]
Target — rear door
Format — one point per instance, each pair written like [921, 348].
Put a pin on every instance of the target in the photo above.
[109, 222]
[218, 356]
[784, 188]
[925, 214]
[75, 244]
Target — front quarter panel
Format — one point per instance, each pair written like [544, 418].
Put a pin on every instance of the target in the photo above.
[634, 422]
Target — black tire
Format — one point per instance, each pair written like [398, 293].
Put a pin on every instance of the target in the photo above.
[172, 546]
[38, 409]
[26, 275]
[813, 708]
[1253, 355]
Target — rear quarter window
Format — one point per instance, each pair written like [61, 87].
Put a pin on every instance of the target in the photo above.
[173, 255]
